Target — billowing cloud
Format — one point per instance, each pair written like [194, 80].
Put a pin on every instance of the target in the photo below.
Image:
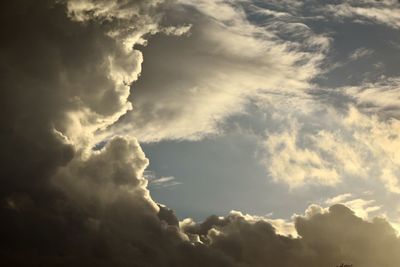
[66, 72]
[326, 238]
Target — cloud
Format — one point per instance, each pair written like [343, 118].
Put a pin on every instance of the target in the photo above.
[338, 199]
[295, 165]
[66, 72]
[78, 74]
[356, 231]
[107, 174]
[365, 96]
[379, 12]
[165, 181]
[61, 203]
[325, 239]
[327, 147]
[189, 85]
[361, 207]
[361, 53]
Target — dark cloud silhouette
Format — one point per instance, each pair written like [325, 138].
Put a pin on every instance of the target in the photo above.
[62, 79]
[65, 69]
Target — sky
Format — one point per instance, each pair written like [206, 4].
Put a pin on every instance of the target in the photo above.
[232, 133]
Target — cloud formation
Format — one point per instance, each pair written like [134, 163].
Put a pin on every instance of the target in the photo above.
[327, 146]
[327, 237]
[66, 72]
[213, 70]
[361, 207]
[367, 11]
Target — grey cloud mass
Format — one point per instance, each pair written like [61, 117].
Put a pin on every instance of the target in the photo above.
[73, 191]
[326, 237]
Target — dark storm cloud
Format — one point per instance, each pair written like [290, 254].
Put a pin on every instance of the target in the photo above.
[50, 67]
[56, 80]
[61, 79]
[65, 73]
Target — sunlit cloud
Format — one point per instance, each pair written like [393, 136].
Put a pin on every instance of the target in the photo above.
[211, 74]
[165, 181]
[352, 145]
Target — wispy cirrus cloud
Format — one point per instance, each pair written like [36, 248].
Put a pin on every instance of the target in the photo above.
[361, 53]
[381, 12]
[165, 181]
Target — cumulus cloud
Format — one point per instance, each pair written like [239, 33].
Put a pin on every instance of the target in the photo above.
[326, 238]
[65, 73]
[78, 73]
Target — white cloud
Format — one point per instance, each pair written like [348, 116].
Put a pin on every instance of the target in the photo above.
[380, 97]
[361, 52]
[295, 165]
[338, 199]
[328, 147]
[381, 12]
[165, 181]
[191, 84]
